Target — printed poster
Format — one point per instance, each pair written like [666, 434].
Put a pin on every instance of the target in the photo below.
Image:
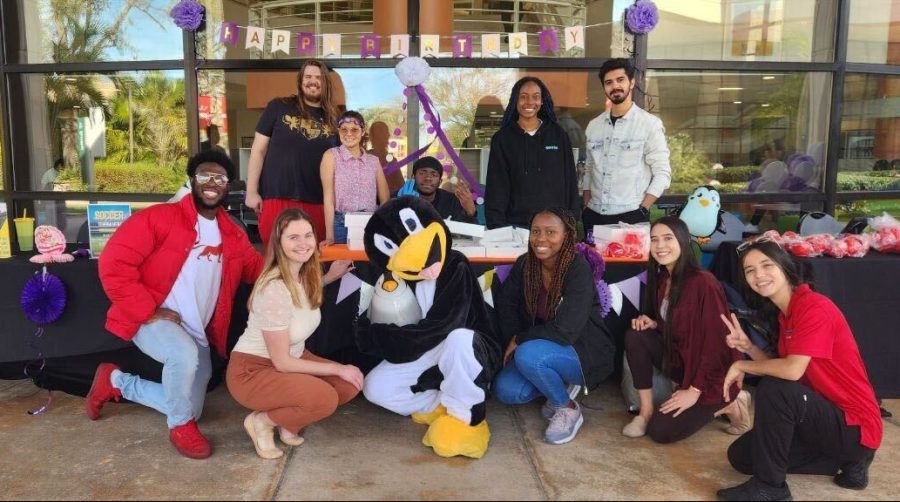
[103, 220]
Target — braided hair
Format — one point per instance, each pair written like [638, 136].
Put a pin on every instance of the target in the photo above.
[532, 280]
[546, 112]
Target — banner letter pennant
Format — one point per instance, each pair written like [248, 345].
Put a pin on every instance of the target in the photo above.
[548, 42]
[575, 37]
[229, 34]
[306, 44]
[430, 45]
[462, 46]
[518, 43]
[370, 46]
[399, 46]
[281, 41]
[256, 37]
[490, 45]
[331, 45]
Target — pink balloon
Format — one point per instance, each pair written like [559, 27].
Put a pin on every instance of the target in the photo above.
[427, 117]
[440, 155]
[431, 130]
[393, 144]
[398, 132]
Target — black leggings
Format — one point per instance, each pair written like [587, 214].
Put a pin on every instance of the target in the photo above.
[644, 350]
[795, 431]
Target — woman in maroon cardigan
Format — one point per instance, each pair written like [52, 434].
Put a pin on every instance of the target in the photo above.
[681, 333]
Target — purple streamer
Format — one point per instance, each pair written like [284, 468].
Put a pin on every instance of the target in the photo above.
[436, 123]
[598, 268]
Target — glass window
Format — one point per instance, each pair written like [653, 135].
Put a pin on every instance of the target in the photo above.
[869, 158]
[232, 102]
[349, 18]
[873, 36]
[78, 31]
[604, 34]
[116, 132]
[744, 30]
[70, 216]
[743, 132]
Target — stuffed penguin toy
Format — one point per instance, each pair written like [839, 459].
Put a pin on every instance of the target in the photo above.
[702, 213]
[436, 370]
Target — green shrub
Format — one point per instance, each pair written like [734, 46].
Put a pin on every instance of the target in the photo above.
[736, 174]
[867, 182]
[143, 176]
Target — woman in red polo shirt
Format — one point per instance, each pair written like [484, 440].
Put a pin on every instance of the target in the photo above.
[816, 411]
[680, 333]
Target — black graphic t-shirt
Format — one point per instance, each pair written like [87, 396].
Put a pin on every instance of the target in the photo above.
[296, 145]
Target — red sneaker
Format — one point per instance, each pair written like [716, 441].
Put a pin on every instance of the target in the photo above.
[102, 391]
[189, 442]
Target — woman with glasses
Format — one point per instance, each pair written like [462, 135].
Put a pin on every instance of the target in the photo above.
[351, 178]
[816, 411]
[680, 333]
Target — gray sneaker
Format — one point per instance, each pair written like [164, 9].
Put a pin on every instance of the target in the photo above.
[564, 425]
[548, 410]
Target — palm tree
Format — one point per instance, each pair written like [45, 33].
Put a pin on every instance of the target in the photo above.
[160, 106]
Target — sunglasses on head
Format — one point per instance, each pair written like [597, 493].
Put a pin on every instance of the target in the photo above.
[219, 179]
[744, 246]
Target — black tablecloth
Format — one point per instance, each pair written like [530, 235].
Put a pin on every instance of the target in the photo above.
[867, 290]
[71, 347]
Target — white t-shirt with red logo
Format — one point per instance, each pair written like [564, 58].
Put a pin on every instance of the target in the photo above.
[196, 289]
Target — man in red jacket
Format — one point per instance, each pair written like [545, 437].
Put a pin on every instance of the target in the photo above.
[171, 272]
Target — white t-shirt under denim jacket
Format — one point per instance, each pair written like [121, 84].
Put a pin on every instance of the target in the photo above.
[274, 310]
[625, 161]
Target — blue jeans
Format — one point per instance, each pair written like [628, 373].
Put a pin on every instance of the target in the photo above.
[539, 367]
[340, 231]
[186, 372]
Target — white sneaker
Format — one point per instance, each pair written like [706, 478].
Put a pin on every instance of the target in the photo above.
[564, 425]
[637, 428]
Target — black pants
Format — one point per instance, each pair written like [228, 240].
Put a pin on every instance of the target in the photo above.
[644, 350]
[795, 431]
[591, 218]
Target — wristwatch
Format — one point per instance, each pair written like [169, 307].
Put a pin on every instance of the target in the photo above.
[644, 210]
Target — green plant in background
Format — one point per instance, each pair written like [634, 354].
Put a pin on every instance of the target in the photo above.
[690, 167]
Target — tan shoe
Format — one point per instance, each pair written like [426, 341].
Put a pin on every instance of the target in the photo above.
[742, 418]
[263, 437]
[289, 438]
[637, 428]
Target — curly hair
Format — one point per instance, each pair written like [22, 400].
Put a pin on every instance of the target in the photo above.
[546, 112]
[532, 281]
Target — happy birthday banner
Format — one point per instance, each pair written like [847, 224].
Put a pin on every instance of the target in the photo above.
[550, 42]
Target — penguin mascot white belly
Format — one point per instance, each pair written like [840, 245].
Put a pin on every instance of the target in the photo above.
[436, 369]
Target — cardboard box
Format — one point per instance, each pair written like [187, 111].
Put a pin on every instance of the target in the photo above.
[359, 220]
[356, 233]
[356, 245]
[466, 229]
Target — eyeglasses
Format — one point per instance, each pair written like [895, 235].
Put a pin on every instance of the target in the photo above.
[744, 246]
[219, 179]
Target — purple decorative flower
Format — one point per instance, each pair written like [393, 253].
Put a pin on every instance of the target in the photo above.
[187, 15]
[641, 17]
[43, 298]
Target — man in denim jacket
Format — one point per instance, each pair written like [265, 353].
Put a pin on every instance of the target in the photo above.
[627, 157]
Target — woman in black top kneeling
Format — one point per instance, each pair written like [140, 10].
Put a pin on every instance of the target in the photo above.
[550, 313]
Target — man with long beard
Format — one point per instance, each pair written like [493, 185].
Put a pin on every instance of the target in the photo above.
[291, 136]
[171, 272]
[627, 161]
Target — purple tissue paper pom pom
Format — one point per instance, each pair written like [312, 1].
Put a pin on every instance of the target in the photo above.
[641, 17]
[43, 298]
[598, 268]
[187, 15]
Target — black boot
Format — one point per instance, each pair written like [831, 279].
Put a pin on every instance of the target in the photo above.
[754, 489]
[855, 475]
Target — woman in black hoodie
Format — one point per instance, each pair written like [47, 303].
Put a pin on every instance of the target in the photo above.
[531, 165]
[550, 313]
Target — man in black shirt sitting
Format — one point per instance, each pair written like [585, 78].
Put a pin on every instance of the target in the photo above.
[427, 172]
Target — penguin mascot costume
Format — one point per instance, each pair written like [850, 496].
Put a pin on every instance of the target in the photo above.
[438, 369]
[702, 213]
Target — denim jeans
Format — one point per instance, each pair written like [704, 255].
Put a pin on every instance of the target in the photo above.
[539, 367]
[340, 231]
[186, 372]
